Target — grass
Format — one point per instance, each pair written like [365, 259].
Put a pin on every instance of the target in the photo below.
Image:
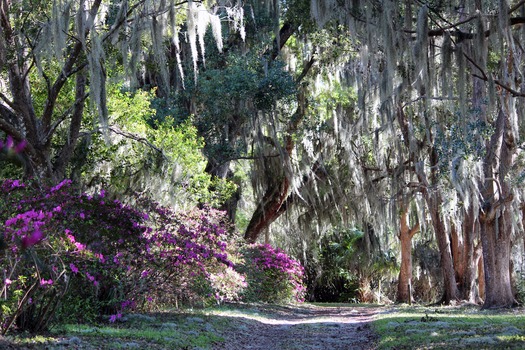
[167, 330]
[450, 328]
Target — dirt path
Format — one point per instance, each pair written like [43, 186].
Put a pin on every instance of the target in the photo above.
[232, 327]
[304, 327]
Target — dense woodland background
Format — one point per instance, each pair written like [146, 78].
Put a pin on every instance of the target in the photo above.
[377, 142]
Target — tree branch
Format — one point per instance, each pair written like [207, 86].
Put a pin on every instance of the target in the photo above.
[513, 92]
[305, 70]
[517, 6]
[137, 138]
[11, 130]
[413, 231]
[67, 150]
[124, 19]
[54, 91]
[8, 128]
[7, 101]
[66, 72]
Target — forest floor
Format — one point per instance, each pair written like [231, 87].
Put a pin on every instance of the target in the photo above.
[289, 327]
[305, 327]
[233, 327]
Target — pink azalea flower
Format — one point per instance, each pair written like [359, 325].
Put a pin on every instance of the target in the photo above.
[44, 282]
[29, 241]
[73, 268]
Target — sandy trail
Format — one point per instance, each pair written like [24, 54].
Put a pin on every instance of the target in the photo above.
[304, 327]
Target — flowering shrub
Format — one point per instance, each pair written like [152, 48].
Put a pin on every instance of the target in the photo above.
[56, 242]
[272, 275]
[227, 285]
[183, 251]
[98, 256]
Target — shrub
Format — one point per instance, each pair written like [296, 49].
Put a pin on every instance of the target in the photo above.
[184, 251]
[80, 256]
[57, 242]
[272, 275]
[227, 285]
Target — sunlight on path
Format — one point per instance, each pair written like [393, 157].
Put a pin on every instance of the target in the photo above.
[348, 317]
[304, 327]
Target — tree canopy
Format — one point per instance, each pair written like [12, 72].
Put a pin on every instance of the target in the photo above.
[357, 135]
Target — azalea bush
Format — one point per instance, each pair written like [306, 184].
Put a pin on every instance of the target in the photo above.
[227, 285]
[77, 256]
[57, 242]
[80, 256]
[184, 251]
[272, 275]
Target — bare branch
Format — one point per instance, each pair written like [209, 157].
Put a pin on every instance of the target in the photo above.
[517, 6]
[135, 137]
[512, 91]
[306, 69]
[7, 100]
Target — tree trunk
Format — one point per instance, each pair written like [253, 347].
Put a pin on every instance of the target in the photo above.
[466, 256]
[451, 291]
[275, 200]
[404, 286]
[18, 115]
[268, 210]
[467, 282]
[434, 201]
[481, 278]
[496, 217]
[496, 258]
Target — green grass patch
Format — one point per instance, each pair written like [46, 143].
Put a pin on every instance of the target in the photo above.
[166, 330]
[179, 334]
[450, 328]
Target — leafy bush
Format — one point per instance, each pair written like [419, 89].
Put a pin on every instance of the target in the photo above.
[272, 275]
[57, 242]
[352, 268]
[227, 285]
[183, 251]
[85, 255]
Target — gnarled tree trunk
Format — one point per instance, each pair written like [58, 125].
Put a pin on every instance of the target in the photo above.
[406, 233]
[496, 217]
[466, 255]
[275, 199]
[434, 201]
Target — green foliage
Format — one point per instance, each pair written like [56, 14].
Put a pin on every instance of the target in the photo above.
[336, 280]
[228, 95]
[346, 270]
[335, 100]
[149, 152]
[207, 189]
[276, 85]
